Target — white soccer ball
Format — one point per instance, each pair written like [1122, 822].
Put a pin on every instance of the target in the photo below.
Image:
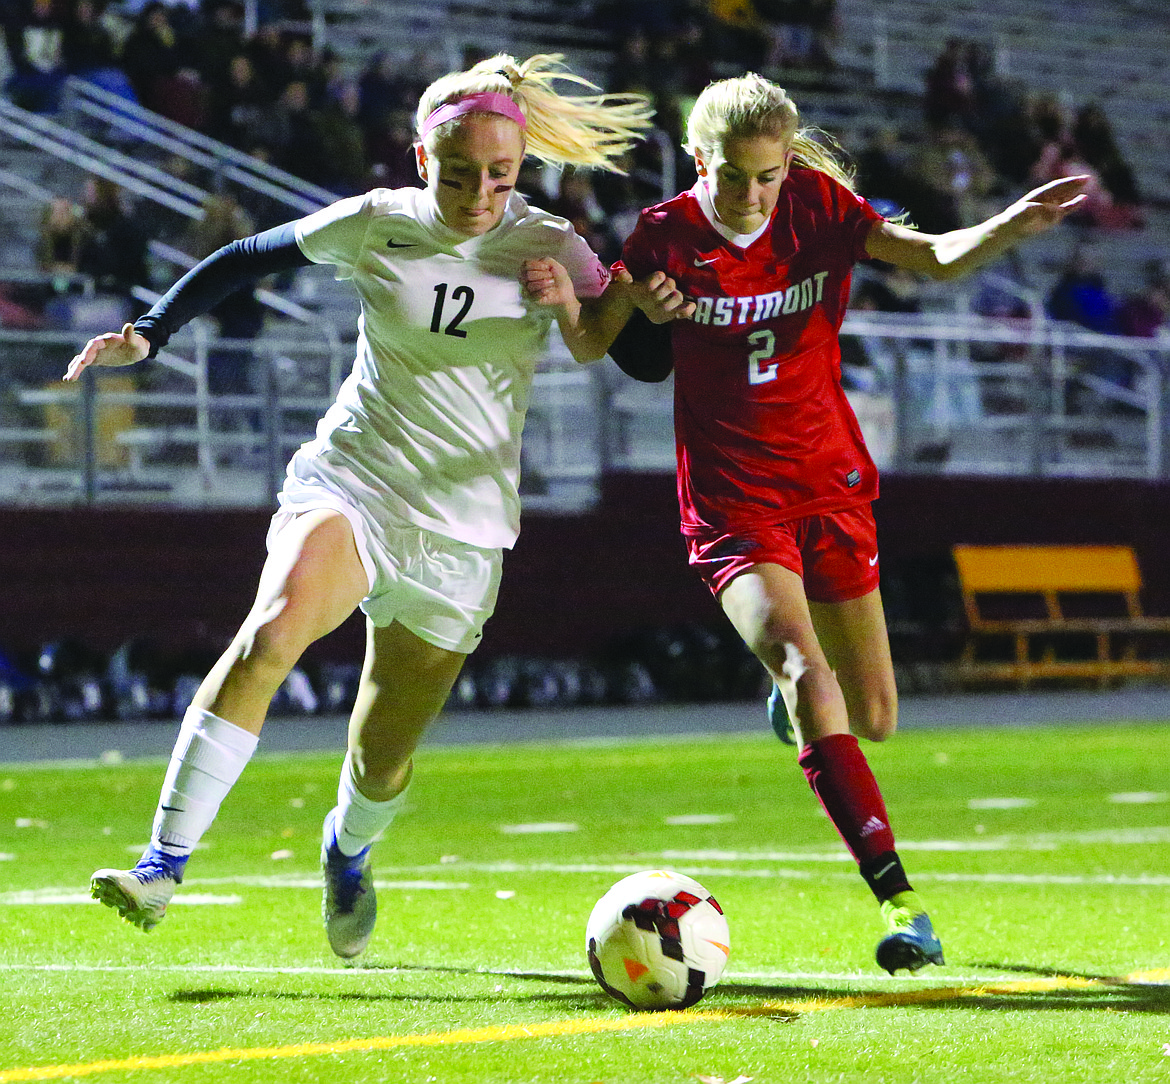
[657, 940]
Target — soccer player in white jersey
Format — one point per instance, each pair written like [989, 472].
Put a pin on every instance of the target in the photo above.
[405, 499]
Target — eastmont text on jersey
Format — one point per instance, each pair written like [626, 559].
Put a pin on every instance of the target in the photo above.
[721, 311]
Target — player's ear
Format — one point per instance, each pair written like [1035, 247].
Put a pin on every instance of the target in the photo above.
[700, 165]
[420, 160]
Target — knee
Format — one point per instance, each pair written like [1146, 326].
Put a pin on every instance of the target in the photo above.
[877, 718]
[270, 641]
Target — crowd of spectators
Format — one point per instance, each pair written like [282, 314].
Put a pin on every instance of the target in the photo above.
[270, 94]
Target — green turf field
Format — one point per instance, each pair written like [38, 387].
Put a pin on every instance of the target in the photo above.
[1044, 856]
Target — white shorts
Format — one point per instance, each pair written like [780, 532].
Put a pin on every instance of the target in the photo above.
[440, 589]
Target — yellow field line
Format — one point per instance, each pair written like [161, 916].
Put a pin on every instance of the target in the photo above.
[562, 1028]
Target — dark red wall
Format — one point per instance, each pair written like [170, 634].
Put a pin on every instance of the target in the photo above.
[572, 584]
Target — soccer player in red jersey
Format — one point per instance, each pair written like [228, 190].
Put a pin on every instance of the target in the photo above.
[751, 269]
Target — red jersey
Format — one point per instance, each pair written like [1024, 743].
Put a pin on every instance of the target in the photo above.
[763, 431]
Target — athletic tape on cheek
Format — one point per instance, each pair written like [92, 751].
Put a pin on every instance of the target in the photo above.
[488, 102]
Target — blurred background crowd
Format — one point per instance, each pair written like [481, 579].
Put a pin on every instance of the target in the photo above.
[269, 93]
[973, 139]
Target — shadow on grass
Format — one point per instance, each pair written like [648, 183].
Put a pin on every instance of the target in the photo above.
[1044, 989]
[212, 994]
[585, 996]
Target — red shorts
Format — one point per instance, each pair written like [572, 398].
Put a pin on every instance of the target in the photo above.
[835, 553]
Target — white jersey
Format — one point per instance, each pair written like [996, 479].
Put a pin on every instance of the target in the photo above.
[428, 422]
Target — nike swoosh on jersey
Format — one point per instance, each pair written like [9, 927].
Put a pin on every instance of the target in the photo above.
[400, 244]
[873, 560]
[704, 263]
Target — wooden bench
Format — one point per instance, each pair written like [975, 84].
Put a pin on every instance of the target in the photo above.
[1058, 595]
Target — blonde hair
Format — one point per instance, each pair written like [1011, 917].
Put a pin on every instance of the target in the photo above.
[589, 130]
[751, 105]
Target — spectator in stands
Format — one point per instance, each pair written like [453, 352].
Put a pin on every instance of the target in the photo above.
[952, 181]
[114, 248]
[220, 38]
[238, 316]
[801, 32]
[737, 33]
[162, 68]
[384, 92]
[298, 146]
[268, 52]
[35, 35]
[403, 504]
[90, 51]
[887, 288]
[61, 238]
[949, 94]
[999, 120]
[1092, 134]
[1062, 158]
[242, 110]
[885, 173]
[345, 167]
[1006, 128]
[389, 151]
[1081, 296]
[1145, 312]
[303, 65]
[652, 18]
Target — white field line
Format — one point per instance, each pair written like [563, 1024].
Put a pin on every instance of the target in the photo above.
[46, 897]
[69, 896]
[1038, 841]
[58, 897]
[781, 873]
[730, 868]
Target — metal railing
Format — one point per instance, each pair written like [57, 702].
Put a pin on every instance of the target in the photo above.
[127, 123]
[943, 394]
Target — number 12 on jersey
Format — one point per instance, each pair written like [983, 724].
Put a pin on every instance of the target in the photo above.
[464, 294]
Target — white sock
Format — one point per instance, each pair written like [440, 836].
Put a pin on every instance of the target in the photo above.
[358, 821]
[209, 755]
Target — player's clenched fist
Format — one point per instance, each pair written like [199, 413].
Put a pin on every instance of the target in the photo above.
[123, 347]
[547, 282]
[658, 296]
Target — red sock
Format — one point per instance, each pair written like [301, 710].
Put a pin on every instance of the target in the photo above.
[839, 775]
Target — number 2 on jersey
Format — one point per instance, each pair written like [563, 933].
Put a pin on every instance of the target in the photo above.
[765, 343]
[461, 293]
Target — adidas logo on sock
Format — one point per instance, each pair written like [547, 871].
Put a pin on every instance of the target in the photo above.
[874, 824]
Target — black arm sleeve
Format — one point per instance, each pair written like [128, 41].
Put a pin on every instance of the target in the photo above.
[642, 349]
[223, 272]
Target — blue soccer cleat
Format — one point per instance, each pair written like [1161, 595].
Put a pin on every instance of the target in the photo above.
[782, 698]
[349, 905]
[140, 895]
[779, 718]
[911, 943]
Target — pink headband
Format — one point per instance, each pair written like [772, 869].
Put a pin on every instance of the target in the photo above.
[487, 102]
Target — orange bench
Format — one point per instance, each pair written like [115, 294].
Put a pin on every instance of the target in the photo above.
[1064, 590]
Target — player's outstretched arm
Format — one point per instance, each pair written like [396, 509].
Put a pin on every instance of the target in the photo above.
[123, 347]
[959, 252]
[236, 265]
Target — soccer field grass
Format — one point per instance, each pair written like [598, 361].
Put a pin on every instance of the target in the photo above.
[1043, 855]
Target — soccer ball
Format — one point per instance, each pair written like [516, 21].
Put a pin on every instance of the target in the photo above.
[657, 940]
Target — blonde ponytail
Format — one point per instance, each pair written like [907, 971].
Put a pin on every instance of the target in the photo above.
[751, 105]
[588, 130]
